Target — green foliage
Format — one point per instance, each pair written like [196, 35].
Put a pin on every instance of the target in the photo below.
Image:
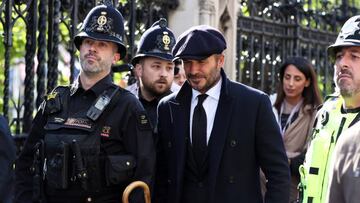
[17, 49]
[18, 42]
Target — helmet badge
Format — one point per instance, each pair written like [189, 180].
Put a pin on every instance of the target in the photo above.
[102, 24]
[101, 21]
[166, 40]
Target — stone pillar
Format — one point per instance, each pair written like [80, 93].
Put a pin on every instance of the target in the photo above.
[221, 14]
[227, 24]
[207, 12]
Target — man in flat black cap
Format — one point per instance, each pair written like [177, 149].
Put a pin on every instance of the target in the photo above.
[216, 134]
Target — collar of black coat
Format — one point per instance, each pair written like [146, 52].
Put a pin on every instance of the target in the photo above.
[185, 91]
[97, 89]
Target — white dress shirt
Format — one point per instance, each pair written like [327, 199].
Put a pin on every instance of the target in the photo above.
[210, 105]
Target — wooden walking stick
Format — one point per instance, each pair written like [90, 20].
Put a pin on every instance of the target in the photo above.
[132, 186]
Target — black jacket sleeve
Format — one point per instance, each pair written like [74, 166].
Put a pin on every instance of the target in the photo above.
[139, 141]
[7, 157]
[23, 176]
[272, 155]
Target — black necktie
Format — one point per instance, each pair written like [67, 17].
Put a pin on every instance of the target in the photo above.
[199, 130]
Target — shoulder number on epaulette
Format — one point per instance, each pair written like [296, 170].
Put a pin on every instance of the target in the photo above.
[143, 121]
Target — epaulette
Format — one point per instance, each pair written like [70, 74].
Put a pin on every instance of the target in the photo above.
[57, 90]
[53, 101]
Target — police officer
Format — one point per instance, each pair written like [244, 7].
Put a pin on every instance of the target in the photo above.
[91, 139]
[154, 67]
[339, 112]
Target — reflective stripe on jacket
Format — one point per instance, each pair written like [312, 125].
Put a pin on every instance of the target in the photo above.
[331, 121]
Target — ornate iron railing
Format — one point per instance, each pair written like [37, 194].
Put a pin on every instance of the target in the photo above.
[51, 24]
[270, 31]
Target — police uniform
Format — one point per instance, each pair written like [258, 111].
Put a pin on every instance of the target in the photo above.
[344, 180]
[87, 145]
[151, 107]
[332, 120]
[157, 41]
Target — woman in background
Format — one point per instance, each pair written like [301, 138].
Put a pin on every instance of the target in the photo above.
[295, 108]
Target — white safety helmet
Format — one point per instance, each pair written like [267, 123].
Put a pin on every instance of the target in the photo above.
[348, 36]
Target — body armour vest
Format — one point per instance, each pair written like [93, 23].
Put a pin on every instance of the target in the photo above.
[74, 161]
[331, 121]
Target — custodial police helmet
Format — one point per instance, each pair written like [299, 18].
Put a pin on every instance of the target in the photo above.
[103, 23]
[158, 41]
[348, 36]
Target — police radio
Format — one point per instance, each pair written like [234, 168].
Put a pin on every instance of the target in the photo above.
[99, 105]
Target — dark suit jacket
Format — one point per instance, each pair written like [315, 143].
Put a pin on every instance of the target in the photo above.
[245, 137]
[7, 158]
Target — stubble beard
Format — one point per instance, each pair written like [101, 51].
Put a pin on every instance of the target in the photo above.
[93, 69]
[210, 81]
[349, 92]
[153, 90]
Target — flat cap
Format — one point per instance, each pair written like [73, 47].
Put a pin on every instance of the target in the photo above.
[199, 42]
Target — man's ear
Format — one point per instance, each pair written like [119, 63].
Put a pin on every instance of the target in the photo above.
[221, 60]
[138, 70]
[116, 57]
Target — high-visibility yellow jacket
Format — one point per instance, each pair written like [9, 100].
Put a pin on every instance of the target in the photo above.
[331, 121]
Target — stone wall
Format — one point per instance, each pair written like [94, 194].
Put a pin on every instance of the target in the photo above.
[221, 14]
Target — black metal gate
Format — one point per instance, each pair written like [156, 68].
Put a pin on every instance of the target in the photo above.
[270, 31]
[49, 26]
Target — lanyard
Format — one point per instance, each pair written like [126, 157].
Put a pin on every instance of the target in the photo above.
[288, 121]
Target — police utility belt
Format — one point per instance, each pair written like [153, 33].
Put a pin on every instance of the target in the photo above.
[70, 157]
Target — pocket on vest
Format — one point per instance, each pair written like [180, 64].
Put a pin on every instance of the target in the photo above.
[119, 169]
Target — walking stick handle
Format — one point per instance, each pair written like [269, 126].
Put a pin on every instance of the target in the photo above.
[132, 186]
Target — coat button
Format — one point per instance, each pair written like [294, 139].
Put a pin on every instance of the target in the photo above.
[169, 144]
[169, 181]
[233, 143]
[231, 179]
[200, 184]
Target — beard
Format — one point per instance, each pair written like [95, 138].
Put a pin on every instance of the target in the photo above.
[347, 90]
[157, 88]
[93, 68]
[204, 82]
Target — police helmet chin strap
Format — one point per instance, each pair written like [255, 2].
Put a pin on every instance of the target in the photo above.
[100, 104]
